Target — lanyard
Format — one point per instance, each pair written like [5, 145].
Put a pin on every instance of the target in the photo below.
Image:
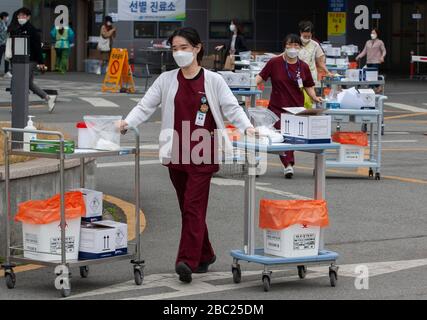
[298, 73]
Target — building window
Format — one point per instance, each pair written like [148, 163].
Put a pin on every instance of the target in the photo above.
[221, 30]
[167, 28]
[145, 29]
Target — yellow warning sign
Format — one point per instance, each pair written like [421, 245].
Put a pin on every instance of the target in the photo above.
[119, 76]
[337, 22]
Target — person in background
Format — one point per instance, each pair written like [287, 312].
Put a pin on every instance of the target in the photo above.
[289, 77]
[237, 43]
[193, 100]
[311, 52]
[375, 51]
[4, 17]
[35, 48]
[108, 31]
[63, 38]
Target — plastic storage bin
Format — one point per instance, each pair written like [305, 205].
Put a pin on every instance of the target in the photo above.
[93, 66]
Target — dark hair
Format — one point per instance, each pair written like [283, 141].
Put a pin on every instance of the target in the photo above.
[292, 38]
[306, 26]
[25, 11]
[108, 19]
[3, 15]
[376, 31]
[192, 36]
[239, 25]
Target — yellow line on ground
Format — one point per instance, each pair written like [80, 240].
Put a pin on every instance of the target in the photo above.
[129, 211]
[406, 115]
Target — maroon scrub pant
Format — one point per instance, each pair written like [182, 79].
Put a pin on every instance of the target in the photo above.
[192, 189]
[288, 157]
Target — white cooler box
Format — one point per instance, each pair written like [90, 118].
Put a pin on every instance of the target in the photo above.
[296, 241]
[47, 238]
[351, 153]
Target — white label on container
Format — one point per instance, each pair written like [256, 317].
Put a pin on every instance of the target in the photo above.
[273, 240]
[55, 245]
[305, 241]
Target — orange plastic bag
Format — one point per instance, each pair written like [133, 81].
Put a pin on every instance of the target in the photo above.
[262, 103]
[233, 133]
[48, 211]
[354, 138]
[353, 65]
[281, 214]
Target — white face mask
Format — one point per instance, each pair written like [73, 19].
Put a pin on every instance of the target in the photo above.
[373, 36]
[232, 27]
[183, 58]
[304, 40]
[109, 23]
[22, 21]
[292, 53]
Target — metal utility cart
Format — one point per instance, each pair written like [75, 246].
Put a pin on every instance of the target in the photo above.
[253, 94]
[134, 256]
[249, 252]
[374, 119]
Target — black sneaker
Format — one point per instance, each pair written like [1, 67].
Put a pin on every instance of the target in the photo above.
[184, 272]
[204, 266]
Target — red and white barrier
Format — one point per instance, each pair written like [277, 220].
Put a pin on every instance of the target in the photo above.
[416, 59]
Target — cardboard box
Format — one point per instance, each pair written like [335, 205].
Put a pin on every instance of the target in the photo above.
[94, 205]
[294, 241]
[121, 235]
[368, 97]
[331, 62]
[96, 242]
[305, 126]
[341, 62]
[370, 74]
[351, 153]
[333, 52]
[46, 238]
[237, 80]
[353, 74]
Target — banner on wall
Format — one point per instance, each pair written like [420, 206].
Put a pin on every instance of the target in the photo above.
[151, 10]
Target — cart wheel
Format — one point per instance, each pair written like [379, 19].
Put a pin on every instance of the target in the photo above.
[333, 277]
[371, 173]
[378, 176]
[10, 280]
[302, 272]
[65, 292]
[139, 276]
[237, 275]
[266, 283]
[84, 271]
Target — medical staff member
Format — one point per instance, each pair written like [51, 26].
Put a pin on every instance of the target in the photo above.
[311, 52]
[191, 98]
[289, 77]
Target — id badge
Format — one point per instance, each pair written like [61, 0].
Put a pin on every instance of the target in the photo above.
[200, 119]
[300, 84]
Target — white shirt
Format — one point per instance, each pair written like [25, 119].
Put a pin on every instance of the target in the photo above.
[309, 53]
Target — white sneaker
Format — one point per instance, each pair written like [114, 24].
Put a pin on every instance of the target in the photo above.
[7, 75]
[289, 172]
[51, 103]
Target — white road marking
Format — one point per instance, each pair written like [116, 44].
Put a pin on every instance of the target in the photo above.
[201, 285]
[389, 133]
[405, 107]
[100, 102]
[399, 141]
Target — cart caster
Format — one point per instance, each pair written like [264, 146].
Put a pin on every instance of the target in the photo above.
[333, 275]
[138, 275]
[237, 274]
[10, 278]
[65, 293]
[378, 176]
[371, 173]
[302, 272]
[266, 282]
[84, 271]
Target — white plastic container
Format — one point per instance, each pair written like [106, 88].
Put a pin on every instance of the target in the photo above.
[29, 136]
[351, 154]
[47, 238]
[295, 241]
[85, 139]
[104, 131]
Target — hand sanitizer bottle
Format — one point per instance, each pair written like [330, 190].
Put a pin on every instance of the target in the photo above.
[29, 136]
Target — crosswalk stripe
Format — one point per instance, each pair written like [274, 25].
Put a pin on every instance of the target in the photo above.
[100, 102]
[405, 107]
[136, 99]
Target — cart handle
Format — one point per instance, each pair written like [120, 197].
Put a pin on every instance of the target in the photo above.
[54, 133]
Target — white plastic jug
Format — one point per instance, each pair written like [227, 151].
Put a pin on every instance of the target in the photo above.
[104, 131]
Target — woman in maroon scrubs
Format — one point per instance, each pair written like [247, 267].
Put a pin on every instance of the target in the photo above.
[192, 100]
[289, 77]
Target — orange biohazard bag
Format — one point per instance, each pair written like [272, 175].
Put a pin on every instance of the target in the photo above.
[354, 138]
[281, 214]
[233, 133]
[49, 210]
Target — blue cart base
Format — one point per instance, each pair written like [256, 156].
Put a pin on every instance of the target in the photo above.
[325, 257]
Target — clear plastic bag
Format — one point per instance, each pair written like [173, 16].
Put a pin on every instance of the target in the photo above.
[264, 121]
[104, 131]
